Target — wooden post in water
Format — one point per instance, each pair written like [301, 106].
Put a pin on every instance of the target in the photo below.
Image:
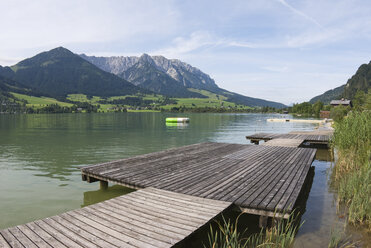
[103, 185]
[263, 220]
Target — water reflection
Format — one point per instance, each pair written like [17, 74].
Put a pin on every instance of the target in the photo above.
[172, 125]
[320, 212]
[95, 196]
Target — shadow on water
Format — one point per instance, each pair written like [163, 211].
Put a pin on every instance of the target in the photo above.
[96, 196]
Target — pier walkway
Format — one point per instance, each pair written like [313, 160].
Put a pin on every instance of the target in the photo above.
[257, 179]
[312, 137]
[284, 142]
[145, 218]
[180, 190]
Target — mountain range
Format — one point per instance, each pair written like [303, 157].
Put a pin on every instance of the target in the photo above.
[59, 72]
[361, 80]
[157, 73]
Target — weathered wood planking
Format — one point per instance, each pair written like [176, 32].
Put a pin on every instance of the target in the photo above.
[311, 137]
[145, 218]
[284, 142]
[253, 177]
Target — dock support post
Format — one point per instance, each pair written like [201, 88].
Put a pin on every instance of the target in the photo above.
[103, 185]
[263, 220]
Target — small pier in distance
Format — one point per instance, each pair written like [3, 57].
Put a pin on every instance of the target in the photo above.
[145, 218]
[318, 137]
[284, 142]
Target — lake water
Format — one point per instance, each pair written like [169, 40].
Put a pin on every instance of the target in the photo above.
[40, 157]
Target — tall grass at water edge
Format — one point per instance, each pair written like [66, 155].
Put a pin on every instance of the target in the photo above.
[280, 235]
[351, 175]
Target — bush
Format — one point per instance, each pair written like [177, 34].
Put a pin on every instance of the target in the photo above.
[338, 113]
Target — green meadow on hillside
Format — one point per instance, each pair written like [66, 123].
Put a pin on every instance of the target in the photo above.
[142, 102]
[39, 102]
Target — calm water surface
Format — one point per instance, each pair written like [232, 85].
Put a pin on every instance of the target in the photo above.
[40, 157]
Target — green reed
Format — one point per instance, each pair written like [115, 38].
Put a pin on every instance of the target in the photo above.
[352, 172]
[339, 239]
[280, 235]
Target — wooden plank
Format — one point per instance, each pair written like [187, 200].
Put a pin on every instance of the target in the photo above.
[275, 186]
[196, 180]
[23, 239]
[83, 233]
[96, 231]
[213, 180]
[131, 242]
[283, 203]
[200, 209]
[3, 242]
[57, 235]
[178, 199]
[198, 212]
[182, 213]
[10, 239]
[188, 198]
[159, 212]
[39, 242]
[299, 183]
[223, 184]
[266, 167]
[249, 166]
[271, 200]
[286, 190]
[269, 168]
[167, 182]
[45, 236]
[149, 224]
[137, 160]
[153, 216]
[284, 142]
[139, 237]
[69, 234]
[262, 184]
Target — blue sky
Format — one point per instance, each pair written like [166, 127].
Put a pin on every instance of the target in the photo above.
[281, 50]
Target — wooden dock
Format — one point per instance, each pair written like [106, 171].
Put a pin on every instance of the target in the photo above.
[284, 142]
[145, 218]
[180, 190]
[314, 138]
[257, 179]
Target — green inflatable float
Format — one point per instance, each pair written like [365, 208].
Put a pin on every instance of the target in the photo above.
[177, 120]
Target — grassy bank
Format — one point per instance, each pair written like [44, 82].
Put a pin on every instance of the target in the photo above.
[352, 173]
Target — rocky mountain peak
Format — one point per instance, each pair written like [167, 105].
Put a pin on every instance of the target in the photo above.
[145, 58]
[187, 75]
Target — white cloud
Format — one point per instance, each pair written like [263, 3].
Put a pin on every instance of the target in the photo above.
[181, 45]
[38, 25]
[300, 13]
[263, 48]
[276, 68]
[8, 61]
[314, 38]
